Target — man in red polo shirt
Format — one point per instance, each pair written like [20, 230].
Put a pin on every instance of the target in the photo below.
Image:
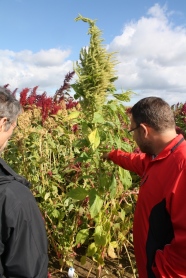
[160, 216]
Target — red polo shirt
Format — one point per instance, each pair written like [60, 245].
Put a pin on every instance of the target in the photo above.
[160, 215]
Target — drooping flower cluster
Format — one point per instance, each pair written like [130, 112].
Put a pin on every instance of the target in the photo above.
[48, 105]
[63, 90]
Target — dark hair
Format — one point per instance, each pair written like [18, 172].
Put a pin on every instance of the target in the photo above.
[10, 107]
[154, 112]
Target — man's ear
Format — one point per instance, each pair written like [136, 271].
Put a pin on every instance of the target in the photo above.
[2, 124]
[145, 130]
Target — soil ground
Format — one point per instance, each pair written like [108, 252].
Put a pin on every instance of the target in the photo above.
[114, 268]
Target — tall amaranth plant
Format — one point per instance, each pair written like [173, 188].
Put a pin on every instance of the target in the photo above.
[101, 188]
[95, 71]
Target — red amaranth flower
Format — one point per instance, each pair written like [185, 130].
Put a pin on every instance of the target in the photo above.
[71, 104]
[179, 130]
[6, 86]
[128, 110]
[23, 96]
[49, 105]
[50, 173]
[33, 96]
[183, 110]
[55, 109]
[60, 94]
[125, 139]
[75, 128]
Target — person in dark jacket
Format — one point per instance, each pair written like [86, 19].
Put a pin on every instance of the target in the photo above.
[23, 239]
[159, 229]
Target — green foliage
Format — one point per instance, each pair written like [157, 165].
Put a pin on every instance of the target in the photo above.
[81, 197]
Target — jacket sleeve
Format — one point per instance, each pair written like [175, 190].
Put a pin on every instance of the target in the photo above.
[171, 261]
[130, 161]
[26, 245]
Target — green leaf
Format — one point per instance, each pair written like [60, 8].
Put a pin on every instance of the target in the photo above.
[55, 189]
[104, 182]
[98, 258]
[92, 249]
[116, 227]
[92, 196]
[126, 147]
[125, 177]
[128, 208]
[96, 204]
[113, 107]
[100, 237]
[71, 207]
[94, 139]
[107, 226]
[83, 157]
[111, 140]
[73, 115]
[113, 188]
[83, 260]
[78, 193]
[85, 127]
[122, 214]
[118, 142]
[80, 143]
[126, 96]
[82, 235]
[98, 118]
[103, 135]
[55, 213]
[47, 195]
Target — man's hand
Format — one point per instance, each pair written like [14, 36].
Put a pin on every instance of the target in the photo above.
[105, 156]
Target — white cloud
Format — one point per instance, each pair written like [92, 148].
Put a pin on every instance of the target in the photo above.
[46, 68]
[152, 55]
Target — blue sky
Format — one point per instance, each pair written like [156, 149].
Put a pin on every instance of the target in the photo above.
[40, 40]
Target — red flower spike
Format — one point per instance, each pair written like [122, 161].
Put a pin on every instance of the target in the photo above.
[23, 96]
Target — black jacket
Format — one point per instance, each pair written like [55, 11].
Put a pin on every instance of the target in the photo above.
[23, 240]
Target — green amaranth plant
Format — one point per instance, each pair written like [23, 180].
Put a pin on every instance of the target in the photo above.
[100, 129]
[95, 71]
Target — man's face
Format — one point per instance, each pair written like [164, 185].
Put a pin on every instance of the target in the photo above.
[5, 135]
[141, 140]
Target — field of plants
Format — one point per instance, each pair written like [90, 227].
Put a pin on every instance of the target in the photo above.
[87, 203]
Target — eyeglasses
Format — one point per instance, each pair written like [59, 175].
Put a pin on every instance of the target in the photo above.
[14, 125]
[133, 129]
